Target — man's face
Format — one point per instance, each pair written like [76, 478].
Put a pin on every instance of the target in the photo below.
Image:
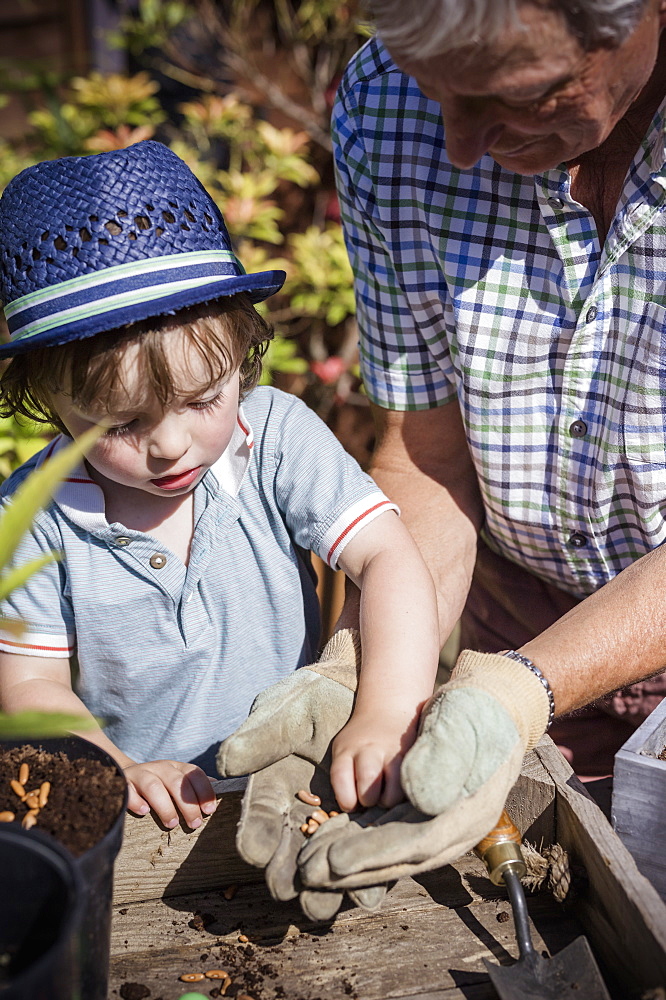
[536, 99]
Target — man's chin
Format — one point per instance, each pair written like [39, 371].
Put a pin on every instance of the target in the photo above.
[529, 163]
[531, 158]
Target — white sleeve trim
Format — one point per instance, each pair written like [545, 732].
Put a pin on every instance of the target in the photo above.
[350, 522]
[31, 643]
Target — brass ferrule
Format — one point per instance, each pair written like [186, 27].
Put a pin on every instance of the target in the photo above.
[499, 857]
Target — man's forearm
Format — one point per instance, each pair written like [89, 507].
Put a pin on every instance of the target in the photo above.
[611, 639]
[423, 464]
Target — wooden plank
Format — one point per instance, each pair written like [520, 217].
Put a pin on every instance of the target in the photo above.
[155, 862]
[531, 802]
[639, 797]
[621, 913]
[623, 916]
[428, 939]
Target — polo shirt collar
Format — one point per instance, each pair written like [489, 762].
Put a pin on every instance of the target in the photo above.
[82, 501]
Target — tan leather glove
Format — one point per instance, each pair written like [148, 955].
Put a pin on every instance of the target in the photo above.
[473, 735]
[285, 745]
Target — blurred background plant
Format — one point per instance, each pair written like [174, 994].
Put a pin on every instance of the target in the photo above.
[242, 90]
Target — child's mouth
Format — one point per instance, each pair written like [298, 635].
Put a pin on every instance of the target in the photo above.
[177, 482]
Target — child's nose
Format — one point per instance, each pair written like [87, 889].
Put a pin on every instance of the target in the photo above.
[169, 440]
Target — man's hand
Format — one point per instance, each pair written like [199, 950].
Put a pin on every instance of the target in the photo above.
[285, 745]
[474, 733]
[169, 787]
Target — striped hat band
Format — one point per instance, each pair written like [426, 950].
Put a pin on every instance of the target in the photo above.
[117, 288]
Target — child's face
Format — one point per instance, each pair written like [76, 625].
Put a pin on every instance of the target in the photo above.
[161, 451]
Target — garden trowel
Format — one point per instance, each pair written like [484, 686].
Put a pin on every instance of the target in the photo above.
[572, 972]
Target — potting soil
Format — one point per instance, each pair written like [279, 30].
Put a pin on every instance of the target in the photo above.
[84, 798]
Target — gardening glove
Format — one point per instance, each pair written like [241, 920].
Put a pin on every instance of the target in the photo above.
[473, 735]
[285, 745]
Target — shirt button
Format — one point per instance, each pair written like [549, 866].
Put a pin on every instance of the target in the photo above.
[591, 314]
[555, 202]
[577, 540]
[578, 429]
[158, 560]
[122, 540]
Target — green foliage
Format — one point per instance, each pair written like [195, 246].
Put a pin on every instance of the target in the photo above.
[40, 725]
[19, 440]
[320, 284]
[268, 128]
[282, 356]
[151, 26]
[32, 495]
[92, 105]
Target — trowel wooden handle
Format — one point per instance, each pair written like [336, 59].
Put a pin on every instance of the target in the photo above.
[500, 849]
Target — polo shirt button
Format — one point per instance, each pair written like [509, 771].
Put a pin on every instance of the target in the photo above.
[555, 202]
[158, 560]
[591, 314]
[578, 429]
[577, 540]
[122, 540]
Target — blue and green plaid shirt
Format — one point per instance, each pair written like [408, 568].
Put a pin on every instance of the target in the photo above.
[493, 288]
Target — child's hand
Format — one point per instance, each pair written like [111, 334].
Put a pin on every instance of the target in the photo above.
[367, 755]
[169, 787]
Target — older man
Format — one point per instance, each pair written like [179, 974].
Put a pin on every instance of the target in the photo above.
[502, 175]
[502, 193]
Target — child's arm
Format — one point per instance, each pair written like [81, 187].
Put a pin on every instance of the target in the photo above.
[400, 647]
[38, 683]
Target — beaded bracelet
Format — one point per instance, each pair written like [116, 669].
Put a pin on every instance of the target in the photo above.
[526, 662]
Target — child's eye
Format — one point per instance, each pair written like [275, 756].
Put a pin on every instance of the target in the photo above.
[118, 431]
[206, 404]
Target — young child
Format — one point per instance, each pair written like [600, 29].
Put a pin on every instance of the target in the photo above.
[185, 585]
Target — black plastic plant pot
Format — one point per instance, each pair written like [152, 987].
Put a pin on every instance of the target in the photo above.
[42, 907]
[95, 866]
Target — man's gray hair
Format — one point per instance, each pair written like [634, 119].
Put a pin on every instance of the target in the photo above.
[419, 29]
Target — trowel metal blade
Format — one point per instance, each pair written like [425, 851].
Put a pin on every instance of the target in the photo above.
[572, 973]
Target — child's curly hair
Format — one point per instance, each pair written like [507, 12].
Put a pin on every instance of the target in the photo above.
[227, 334]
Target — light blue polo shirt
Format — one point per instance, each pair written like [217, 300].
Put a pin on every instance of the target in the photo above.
[171, 657]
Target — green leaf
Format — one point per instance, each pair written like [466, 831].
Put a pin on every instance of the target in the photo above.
[35, 725]
[17, 577]
[36, 492]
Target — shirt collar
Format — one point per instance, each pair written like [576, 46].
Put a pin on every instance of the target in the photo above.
[82, 501]
[233, 463]
[656, 140]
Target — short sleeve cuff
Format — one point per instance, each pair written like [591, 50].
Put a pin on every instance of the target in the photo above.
[349, 523]
[32, 643]
[390, 389]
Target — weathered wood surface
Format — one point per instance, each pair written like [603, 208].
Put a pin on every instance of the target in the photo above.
[639, 797]
[623, 916]
[428, 939]
[155, 862]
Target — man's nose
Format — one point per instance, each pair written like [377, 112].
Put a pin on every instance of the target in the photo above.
[170, 439]
[471, 127]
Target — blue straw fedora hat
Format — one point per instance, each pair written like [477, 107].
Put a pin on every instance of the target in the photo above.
[90, 243]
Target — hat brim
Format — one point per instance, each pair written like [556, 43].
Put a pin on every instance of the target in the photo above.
[257, 286]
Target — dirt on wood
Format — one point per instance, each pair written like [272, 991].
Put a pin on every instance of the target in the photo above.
[84, 798]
